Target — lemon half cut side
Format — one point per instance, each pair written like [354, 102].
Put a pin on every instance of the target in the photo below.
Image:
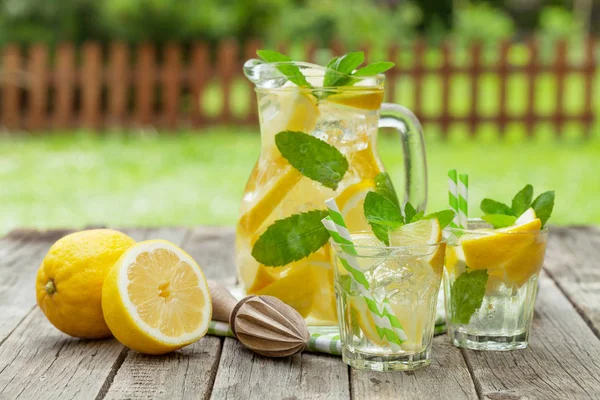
[155, 298]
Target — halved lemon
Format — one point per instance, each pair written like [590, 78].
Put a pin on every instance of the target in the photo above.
[155, 298]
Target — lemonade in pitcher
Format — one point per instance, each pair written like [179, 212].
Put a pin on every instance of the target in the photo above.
[319, 140]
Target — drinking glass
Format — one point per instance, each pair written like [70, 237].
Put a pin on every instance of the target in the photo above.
[490, 285]
[402, 286]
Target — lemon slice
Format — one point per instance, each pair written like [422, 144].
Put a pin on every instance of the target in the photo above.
[351, 202]
[527, 216]
[507, 255]
[298, 111]
[155, 298]
[422, 233]
[306, 285]
[296, 289]
[364, 101]
[425, 231]
[359, 312]
[251, 221]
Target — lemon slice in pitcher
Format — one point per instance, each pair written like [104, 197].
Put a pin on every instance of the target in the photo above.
[298, 112]
[351, 202]
[155, 298]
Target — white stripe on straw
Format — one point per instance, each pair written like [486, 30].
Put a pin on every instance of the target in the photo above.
[453, 197]
[463, 200]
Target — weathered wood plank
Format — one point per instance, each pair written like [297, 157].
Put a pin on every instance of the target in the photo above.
[184, 374]
[187, 373]
[562, 361]
[20, 257]
[38, 361]
[245, 375]
[446, 377]
[573, 262]
[212, 248]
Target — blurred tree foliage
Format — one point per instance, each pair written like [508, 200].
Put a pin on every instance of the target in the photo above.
[356, 21]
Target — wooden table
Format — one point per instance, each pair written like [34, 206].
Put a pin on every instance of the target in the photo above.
[38, 361]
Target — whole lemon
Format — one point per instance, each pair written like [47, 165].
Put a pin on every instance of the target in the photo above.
[70, 278]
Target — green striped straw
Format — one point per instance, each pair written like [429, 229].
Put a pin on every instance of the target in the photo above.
[387, 324]
[453, 197]
[463, 200]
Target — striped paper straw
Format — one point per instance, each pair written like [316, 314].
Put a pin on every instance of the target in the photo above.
[386, 322]
[453, 197]
[463, 199]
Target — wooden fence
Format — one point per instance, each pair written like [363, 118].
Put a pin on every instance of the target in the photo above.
[108, 86]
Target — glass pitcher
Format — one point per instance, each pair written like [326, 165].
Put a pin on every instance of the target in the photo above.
[346, 118]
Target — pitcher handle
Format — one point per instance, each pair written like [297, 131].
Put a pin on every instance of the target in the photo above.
[413, 146]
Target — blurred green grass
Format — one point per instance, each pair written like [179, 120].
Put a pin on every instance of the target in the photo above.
[74, 179]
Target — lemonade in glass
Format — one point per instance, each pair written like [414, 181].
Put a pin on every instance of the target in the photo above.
[491, 281]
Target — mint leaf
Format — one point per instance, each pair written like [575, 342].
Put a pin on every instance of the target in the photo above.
[418, 216]
[349, 62]
[444, 217]
[291, 239]
[490, 206]
[466, 295]
[383, 215]
[339, 69]
[291, 71]
[522, 200]
[409, 213]
[272, 56]
[374, 68]
[543, 206]
[385, 187]
[500, 220]
[313, 157]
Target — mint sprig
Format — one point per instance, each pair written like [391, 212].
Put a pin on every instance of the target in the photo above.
[543, 206]
[501, 215]
[522, 200]
[383, 214]
[341, 71]
[385, 187]
[313, 157]
[291, 239]
[291, 71]
[374, 69]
